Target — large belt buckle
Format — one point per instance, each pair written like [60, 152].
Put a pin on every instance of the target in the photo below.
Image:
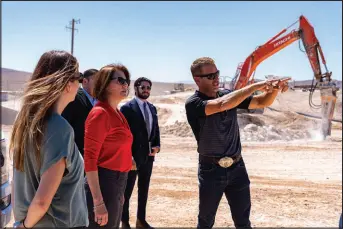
[225, 162]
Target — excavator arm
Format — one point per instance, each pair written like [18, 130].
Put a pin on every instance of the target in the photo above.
[313, 50]
[260, 54]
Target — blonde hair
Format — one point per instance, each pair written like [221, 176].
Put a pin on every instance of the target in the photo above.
[50, 77]
[199, 63]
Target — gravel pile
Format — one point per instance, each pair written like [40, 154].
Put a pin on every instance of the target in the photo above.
[249, 132]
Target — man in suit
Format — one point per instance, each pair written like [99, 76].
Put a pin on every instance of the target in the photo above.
[142, 118]
[77, 111]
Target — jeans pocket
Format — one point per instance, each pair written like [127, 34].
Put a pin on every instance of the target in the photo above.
[206, 167]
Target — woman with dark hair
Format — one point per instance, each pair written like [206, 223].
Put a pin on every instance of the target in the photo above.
[107, 148]
[48, 184]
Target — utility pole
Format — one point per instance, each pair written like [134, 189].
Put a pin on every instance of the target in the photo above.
[72, 23]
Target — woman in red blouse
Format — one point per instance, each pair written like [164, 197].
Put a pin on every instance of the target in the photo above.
[107, 148]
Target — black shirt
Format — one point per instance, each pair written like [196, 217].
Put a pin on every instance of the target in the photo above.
[217, 134]
[76, 114]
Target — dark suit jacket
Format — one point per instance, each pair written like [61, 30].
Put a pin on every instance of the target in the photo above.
[140, 145]
[76, 114]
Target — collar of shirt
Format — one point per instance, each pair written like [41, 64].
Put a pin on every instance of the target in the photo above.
[219, 94]
[91, 99]
[141, 107]
[139, 101]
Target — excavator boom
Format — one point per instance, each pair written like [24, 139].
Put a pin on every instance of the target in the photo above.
[313, 50]
[262, 53]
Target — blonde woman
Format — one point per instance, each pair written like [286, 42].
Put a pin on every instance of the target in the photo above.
[48, 184]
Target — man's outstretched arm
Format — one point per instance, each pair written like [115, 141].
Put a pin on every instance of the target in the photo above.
[267, 98]
[233, 99]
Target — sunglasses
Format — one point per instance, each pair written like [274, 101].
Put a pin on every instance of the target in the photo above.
[210, 76]
[145, 87]
[77, 76]
[121, 80]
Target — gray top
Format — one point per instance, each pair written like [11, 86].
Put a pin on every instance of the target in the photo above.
[217, 135]
[68, 207]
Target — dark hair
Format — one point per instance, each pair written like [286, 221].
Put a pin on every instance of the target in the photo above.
[140, 80]
[103, 79]
[88, 73]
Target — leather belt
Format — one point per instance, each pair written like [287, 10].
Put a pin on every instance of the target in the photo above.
[224, 162]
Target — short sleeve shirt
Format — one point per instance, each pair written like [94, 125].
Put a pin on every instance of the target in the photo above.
[68, 207]
[218, 134]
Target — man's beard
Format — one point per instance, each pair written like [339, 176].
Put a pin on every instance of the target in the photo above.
[141, 96]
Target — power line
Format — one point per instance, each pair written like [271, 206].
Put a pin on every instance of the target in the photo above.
[72, 28]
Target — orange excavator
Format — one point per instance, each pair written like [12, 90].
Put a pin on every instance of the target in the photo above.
[322, 79]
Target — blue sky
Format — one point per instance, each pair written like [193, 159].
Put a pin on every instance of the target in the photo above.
[160, 40]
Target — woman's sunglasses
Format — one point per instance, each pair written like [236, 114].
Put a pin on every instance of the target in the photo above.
[78, 76]
[210, 76]
[121, 80]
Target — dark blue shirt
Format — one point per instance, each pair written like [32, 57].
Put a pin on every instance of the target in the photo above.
[217, 135]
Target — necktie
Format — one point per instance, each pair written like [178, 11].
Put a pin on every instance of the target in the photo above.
[147, 118]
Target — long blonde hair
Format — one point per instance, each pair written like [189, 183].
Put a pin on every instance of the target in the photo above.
[53, 72]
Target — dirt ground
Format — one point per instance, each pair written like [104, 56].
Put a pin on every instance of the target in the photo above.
[292, 184]
[296, 177]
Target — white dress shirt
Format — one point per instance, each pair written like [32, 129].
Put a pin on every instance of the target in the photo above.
[140, 104]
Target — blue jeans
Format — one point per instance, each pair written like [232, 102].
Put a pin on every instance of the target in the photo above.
[214, 181]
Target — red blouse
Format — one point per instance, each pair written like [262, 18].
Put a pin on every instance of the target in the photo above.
[108, 140]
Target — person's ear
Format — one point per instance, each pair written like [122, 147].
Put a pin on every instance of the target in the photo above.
[68, 87]
[85, 81]
[196, 79]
